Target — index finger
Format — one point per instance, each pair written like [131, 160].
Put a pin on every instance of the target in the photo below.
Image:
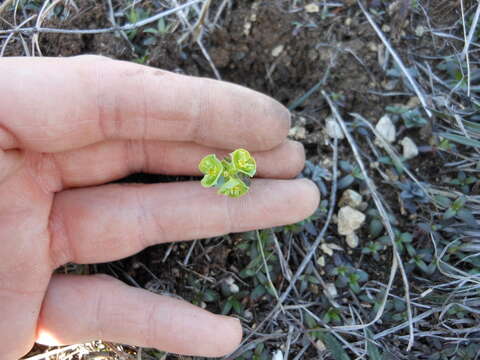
[54, 104]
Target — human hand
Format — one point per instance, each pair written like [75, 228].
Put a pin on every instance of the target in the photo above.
[67, 126]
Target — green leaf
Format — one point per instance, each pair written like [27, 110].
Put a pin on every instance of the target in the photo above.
[150, 31]
[212, 168]
[406, 237]
[467, 216]
[443, 201]
[372, 349]
[210, 295]
[334, 346]
[258, 292]
[227, 307]
[461, 139]
[354, 286]
[270, 289]
[236, 306]
[458, 204]
[244, 162]
[375, 228]
[413, 118]
[411, 250]
[450, 213]
[345, 181]
[234, 188]
[311, 322]
[246, 273]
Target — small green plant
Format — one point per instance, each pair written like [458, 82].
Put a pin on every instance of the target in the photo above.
[332, 315]
[230, 175]
[422, 260]
[403, 241]
[463, 181]
[348, 276]
[457, 210]
[412, 118]
[373, 248]
[353, 174]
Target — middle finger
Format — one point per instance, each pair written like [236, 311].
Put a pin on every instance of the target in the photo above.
[108, 161]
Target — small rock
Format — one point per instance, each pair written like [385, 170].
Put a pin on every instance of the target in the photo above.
[351, 198]
[330, 289]
[386, 129]
[246, 28]
[372, 46]
[298, 132]
[352, 240]
[326, 249]
[300, 121]
[312, 8]
[320, 345]
[277, 50]
[321, 261]
[410, 150]
[413, 102]
[349, 220]
[312, 55]
[327, 163]
[230, 286]
[420, 30]
[386, 28]
[248, 315]
[333, 129]
[277, 355]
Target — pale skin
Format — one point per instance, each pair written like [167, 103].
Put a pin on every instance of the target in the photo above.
[68, 127]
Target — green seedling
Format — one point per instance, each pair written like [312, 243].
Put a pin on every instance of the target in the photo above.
[231, 175]
[463, 181]
[373, 248]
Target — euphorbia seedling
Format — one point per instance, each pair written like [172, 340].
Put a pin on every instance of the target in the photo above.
[230, 175]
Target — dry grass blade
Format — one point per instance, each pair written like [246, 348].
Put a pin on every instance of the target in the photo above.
[138, 24]
[5, 4]
[397, 261]
[397, 59]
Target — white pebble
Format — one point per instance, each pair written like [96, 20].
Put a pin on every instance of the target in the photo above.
[312, 8]
[277, 355]
[349, 220]
[333, 129]
[386, 129]
[352, 240]
[277, 50]
[410, 150]
[351, 198]
[330, 289]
